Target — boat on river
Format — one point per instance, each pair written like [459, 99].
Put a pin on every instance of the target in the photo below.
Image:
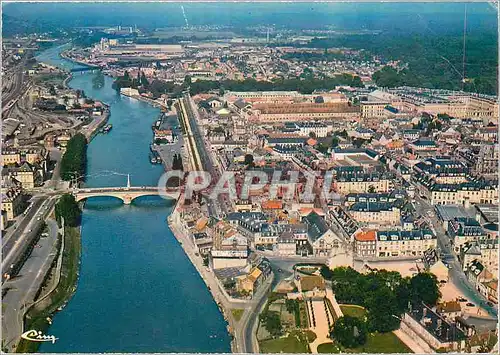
[106, 128]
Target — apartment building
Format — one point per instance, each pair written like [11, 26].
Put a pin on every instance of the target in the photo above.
[443, 170]
[422, 145]
[486, 161]
[391, 197]
[380, 213]
[319, 129]
[462, 230]
[466, 192]
[11, 156]
[26, 174]
[487, 134]
[372, 109]
[231, 252]
[12, 202]
[365, 244]
[404, 243]
[346, 183]
[484, 250]
[481, 107]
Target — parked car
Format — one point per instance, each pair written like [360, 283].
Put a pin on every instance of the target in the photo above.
[468, 304]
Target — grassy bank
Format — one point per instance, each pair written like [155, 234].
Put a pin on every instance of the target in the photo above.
[36, 317]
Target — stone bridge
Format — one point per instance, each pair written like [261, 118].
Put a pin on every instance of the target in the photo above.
[126, 194]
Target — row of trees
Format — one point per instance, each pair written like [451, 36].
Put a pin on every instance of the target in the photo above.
[74, 160]
[177, 162]
[68, 208]
[386, 295]
[305, 86]
[125, 81]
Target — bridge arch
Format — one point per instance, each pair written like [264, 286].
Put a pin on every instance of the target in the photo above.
[126, 195]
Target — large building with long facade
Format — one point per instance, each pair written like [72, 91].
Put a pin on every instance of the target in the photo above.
[393, 243]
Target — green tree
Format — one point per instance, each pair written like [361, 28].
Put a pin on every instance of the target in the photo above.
[68, 208]
[383, 310]
[177, 162]
[74, 160]
[387, 77]
[424, 287]
[272, 322]
[350, 332]
[371, 189]
[144, 81]
[123, 81]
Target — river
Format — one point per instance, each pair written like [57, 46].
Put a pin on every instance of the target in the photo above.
[137, 290]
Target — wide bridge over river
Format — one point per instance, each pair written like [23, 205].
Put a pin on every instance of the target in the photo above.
[126, 194]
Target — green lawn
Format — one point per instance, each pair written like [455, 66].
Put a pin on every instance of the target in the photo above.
[237, 313]
[376, 343]
[382, 343]
[353, 311]
[294, 343]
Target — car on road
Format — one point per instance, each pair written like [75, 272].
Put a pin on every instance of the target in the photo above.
[468, 304]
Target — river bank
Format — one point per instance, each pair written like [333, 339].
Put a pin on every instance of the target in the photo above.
[40, 314]
[64, 54]
[216, 289]
[92, 129]
[152, 102]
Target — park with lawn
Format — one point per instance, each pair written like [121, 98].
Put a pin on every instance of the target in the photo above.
[376, 343]
[371, 305]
